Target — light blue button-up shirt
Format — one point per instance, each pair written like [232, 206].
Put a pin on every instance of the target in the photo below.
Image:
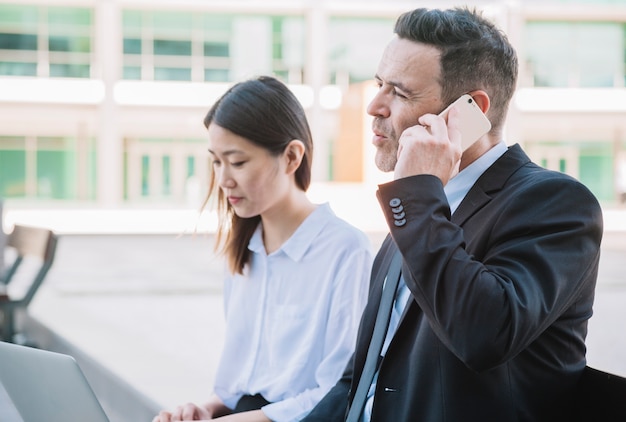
[455, 191]
[292, 318]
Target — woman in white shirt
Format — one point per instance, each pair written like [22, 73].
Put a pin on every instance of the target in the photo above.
[298, 276]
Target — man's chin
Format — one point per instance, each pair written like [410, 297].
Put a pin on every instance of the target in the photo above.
[385, 163]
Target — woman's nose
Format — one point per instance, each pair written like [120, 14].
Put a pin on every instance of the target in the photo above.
[224, 179]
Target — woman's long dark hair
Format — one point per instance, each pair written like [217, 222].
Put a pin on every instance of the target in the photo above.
[266, 113]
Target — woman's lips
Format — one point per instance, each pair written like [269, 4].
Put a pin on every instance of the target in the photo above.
[234, 200]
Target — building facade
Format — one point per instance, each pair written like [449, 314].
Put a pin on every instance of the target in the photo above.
[102, 101]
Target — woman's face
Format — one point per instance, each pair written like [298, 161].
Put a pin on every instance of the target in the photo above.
[253, 181]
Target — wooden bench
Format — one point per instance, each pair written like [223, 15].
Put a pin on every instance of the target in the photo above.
[31, 251]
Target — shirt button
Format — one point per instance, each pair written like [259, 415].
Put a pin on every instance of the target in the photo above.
[400, 223]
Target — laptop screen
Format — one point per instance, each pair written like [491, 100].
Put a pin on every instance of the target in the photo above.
[38, 385]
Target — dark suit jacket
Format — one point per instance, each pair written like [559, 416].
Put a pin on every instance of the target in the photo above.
[501, 295]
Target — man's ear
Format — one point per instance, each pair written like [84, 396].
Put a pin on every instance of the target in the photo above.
[481, 98]
[294, 153]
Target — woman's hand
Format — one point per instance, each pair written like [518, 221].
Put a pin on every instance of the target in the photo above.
[214, 408]
[187, 412]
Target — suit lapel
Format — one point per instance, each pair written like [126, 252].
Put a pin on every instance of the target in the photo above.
[491, 181]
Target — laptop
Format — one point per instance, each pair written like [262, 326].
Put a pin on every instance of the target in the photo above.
[38, 385]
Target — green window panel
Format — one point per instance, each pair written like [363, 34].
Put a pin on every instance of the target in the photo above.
[69, 43]
[167, 175]
[171, 74]
[12, 173]
[216, 75]
[145, 175]
[53, 181]
[172, 48]
[191, 166]
[132, 73]
[18, 41]
[66, 70]
[18, 69]
[216, 49]
[68, 38]
[132, 45]
[596, 172]
[350, 45]
[24, 17]
[566, 54]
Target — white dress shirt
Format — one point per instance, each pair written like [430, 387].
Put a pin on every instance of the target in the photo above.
[292, 318]
[455, 191]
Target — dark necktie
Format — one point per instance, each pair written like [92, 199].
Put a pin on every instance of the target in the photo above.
[378, 337]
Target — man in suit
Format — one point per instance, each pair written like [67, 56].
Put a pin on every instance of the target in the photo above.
[499, 257]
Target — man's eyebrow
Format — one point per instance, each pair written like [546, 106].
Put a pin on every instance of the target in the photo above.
[398, 85]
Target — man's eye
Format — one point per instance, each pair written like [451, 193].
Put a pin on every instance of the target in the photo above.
[398, 94]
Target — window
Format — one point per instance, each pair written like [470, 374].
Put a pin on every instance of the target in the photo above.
[186, 46]
[575, 54]
[47, 167]
[351, 42]
[45, 41]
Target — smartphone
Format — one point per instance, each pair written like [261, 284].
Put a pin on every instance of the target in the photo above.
[474, 123]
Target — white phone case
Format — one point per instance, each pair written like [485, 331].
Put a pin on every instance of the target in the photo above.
[474, 123]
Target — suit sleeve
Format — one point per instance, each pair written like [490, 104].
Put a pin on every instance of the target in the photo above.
[528, 263]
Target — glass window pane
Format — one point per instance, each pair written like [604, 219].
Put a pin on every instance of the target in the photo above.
[145, 175]
[216, 49]
[18, 69]
[173, 22]
[24, 17]
[351, 42]
[132, 20]
[132, 73]
[565, 54]
[69, 16]
[52, 180]
[69, 43]
[65, 70]
[191, 166]
[216, 75]
[172, 74]
[596, 169]
[12, 167]
[172, 48]
[132, 46]
[167, 170]
[18, 41]
[214, 23]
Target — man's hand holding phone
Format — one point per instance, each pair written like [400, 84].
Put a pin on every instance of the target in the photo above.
[436, 144]
[431, 147]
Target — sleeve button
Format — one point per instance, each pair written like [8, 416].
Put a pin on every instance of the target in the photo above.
[395, 202]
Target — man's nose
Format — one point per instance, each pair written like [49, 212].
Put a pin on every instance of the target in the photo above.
[378, 106]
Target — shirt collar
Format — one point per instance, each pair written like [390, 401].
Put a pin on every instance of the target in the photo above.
[296, 246]
[459, 185]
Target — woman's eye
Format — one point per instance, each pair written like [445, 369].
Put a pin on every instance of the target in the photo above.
[216, 163]
[238, 163]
